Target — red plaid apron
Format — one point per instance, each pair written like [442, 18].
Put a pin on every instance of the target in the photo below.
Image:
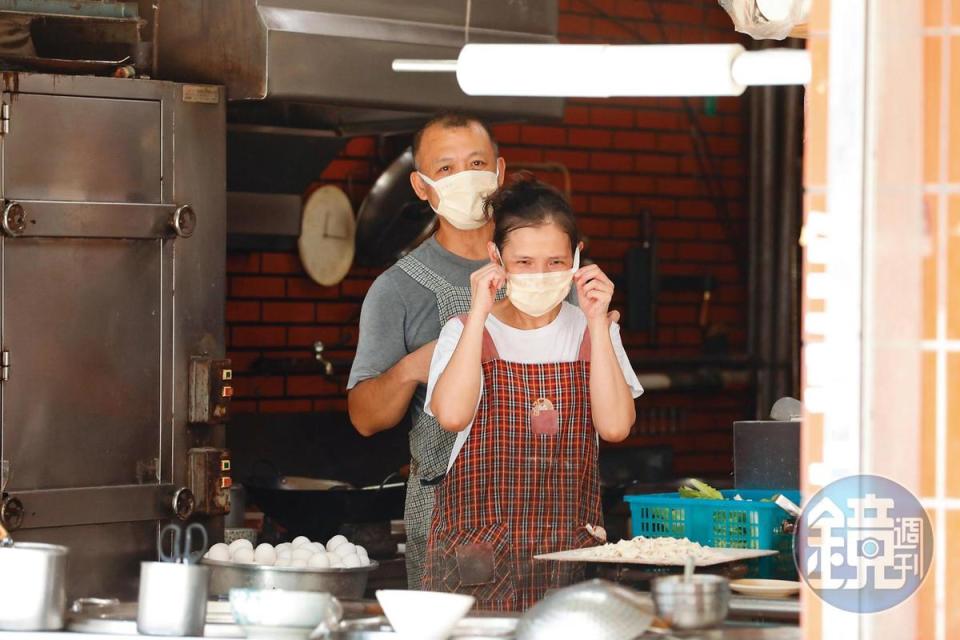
[525, 483]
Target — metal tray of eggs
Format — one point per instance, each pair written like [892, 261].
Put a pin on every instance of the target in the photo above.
[339, 567]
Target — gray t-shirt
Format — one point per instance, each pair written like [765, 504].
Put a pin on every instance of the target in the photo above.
[399, 315]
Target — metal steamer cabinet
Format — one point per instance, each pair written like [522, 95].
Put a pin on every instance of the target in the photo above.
[111, 294]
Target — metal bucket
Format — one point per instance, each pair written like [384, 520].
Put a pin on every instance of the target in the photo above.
[32, 587]
[348, 584]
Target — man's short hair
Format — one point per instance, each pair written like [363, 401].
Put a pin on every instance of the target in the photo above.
[451, 120]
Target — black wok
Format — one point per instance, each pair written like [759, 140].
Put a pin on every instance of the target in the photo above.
[319, 508]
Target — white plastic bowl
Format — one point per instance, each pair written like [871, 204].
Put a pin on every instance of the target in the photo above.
[265, 613]
[423, 615]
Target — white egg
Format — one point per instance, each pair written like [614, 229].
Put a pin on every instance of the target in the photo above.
[299, 541]
[335, 542]
[298, 563]
[243, 555]
[319, 561]
[285, 554]
[240, 542]
[219, 552]
[301, 553]
[283, 562]
[335, 561]
[362, 554]
[316, 547]
[265, 554]
[283, 546]
[351, 561]
[346, 549]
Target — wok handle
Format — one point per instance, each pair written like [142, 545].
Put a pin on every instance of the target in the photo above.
[395, 474]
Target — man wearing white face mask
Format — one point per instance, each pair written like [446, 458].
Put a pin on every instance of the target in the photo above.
[457, 166]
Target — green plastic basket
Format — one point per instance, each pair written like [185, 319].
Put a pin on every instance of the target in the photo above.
[730, 524]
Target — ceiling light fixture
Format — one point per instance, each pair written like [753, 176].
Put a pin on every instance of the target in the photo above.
[606, 71]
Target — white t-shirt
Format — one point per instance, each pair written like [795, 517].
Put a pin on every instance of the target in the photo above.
[558, 341]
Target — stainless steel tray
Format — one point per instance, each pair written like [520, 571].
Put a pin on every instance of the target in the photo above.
[120, 619]
[722, 556]
[342, 583]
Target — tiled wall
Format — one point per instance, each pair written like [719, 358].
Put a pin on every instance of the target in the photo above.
[940, 614]
[625, 157]
[935, 433]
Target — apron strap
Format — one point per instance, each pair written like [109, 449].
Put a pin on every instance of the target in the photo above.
[584, 354]
[488, 350]
[422, 274]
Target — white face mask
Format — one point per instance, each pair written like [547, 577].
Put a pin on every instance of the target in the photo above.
[537, 293]
[461, 197]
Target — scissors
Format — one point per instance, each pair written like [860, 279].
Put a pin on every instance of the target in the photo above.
[181, 545]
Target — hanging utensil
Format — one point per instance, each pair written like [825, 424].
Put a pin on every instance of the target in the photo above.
[327, 233]
[392, 221]
[181, 544]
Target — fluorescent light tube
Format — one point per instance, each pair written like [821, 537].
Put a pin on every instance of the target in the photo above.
[604, 71]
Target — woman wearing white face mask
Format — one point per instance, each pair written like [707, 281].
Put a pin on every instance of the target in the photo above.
[529, 383]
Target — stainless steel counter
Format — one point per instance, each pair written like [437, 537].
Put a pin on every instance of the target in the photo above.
[741, 625]
[726, 633]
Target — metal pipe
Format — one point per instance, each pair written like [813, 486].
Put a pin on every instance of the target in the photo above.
[753, 244]
[770, 177]
[424, 66]
[786, 311]
[796, 267]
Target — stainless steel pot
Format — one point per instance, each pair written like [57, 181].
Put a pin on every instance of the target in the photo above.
[701, 603]
[343, 583]
[32, 581]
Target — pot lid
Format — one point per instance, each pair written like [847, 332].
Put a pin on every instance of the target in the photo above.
[327, 233]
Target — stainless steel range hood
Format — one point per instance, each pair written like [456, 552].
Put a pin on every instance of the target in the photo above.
[325, 64]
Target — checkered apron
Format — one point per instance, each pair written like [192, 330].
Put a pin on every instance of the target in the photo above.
[430, 445]
[513, 493]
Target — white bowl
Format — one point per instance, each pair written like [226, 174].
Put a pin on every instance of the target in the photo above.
[266, 612]
[423, 615]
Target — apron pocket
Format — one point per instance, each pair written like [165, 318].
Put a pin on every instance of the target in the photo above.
[545, 423]
[477, 562]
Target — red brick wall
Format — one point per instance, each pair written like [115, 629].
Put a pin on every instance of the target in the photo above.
[625, 156]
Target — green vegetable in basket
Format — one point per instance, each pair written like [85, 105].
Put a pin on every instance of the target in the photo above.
[697, 489]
